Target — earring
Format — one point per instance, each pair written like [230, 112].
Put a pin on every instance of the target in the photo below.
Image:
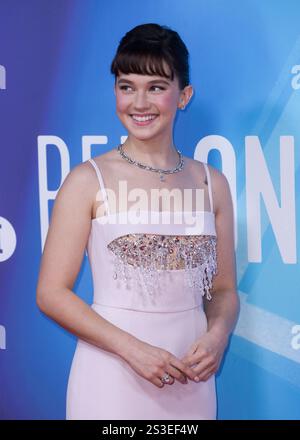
[183, 106]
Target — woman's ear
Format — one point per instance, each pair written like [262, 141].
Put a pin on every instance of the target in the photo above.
[188, 92]
[185, 96]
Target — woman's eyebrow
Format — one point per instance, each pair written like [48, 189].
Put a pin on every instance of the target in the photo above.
[149, 82]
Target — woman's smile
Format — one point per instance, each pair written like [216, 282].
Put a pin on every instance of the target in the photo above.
[143, 120]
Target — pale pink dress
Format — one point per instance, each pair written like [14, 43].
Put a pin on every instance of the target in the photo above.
[103, 386]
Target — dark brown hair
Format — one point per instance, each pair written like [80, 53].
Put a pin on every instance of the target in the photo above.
[144, 48]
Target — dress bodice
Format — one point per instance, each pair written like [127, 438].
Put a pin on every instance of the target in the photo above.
[151, 260]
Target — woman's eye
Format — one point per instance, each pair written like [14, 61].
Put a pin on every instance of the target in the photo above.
[158, 87]
[153, 87]
[124, 87]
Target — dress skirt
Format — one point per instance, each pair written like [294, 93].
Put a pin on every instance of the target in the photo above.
[102, 386]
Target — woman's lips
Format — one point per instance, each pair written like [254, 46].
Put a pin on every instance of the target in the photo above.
[143, 122]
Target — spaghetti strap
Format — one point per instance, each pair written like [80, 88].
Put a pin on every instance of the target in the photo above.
[101, 184]
[209, 186]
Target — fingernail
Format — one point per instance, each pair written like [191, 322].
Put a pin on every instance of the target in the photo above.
[197, 378]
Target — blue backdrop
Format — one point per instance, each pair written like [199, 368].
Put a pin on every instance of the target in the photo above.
[57, 108]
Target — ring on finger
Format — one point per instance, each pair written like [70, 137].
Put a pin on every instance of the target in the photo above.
[165, 378]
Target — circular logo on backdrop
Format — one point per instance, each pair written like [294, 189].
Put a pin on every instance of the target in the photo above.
[8, 239]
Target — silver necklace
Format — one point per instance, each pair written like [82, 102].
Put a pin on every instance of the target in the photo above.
[161, 172]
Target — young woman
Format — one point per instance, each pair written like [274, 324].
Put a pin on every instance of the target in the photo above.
[165, 298]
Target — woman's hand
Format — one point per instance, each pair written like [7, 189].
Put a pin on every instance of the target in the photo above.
[152, 362]
[205, 355]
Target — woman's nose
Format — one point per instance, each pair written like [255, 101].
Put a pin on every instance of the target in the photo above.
[141, 100]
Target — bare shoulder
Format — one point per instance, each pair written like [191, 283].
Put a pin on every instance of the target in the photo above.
[108, 159]
[195, 168]
[198, 166]
[83, 174]
[81, 178]
[219, 183]
[81, 185]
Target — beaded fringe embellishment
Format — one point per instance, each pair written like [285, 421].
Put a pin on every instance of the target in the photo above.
[147, 254]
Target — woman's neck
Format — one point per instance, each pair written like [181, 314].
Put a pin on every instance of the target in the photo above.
[154, 154]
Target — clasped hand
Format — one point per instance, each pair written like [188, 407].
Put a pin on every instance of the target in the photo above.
[151, 362]
[205, 355]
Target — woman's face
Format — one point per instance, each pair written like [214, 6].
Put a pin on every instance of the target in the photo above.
[146, 105]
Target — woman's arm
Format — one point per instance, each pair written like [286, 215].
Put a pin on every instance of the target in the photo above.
[222, 310]
[61, 260]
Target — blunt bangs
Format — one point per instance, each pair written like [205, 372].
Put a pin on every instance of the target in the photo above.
[142, 63]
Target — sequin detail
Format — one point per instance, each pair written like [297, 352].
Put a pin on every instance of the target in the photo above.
[148, 254]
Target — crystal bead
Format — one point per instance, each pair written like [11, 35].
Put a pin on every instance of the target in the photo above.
[145, 254]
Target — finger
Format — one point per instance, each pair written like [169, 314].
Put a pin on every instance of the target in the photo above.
[199, 356]
[157, 381]
[167, 370]
[184, 369]
[203, 367]
[191, 362]
[177, 374]
[206, 374]
[171, 378]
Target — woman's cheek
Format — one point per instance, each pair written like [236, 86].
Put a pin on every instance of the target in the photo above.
[167, 101]
[122, 104]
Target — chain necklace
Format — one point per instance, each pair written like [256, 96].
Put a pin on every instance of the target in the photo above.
[161, 172]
